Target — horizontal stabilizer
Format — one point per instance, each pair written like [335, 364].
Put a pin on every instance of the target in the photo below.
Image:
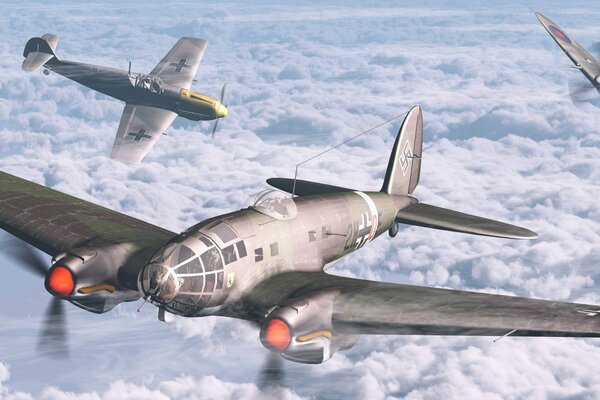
[442, 218]
[38, 51]
[304, 188]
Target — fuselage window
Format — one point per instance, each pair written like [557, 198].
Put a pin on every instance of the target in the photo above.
[192, 267]
[210, 283]
[312, 236]
[204, 240]
[219, 280]
[241, 248]
[229, 254]
[185, 253]
[258, 254]
[274, 249]
[211, 260]
[224, 232]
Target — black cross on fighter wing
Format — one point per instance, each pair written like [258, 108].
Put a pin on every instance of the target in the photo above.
[181, 63]
[139, 129]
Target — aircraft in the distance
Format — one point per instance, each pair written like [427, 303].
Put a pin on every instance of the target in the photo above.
[580, 57]
[265, 263]
[152, 101]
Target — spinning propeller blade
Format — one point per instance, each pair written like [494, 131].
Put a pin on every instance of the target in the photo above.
[270, 382]
[52, 339]
[223, 101]
[53, 336]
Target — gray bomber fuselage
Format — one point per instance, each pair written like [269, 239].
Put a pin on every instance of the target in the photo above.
[325, 228]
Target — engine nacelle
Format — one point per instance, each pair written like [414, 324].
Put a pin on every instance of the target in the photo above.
[301, 331]
[88, 278]
[597, 80]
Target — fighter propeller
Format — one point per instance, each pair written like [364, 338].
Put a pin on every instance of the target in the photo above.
[224, 100]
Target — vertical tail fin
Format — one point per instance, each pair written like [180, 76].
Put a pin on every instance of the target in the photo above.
[39, 51]
[404, 167]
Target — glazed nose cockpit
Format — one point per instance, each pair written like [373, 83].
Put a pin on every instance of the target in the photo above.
[181, 279]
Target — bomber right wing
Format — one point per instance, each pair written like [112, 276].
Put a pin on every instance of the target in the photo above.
[139, 129]
[368, 307]
[582, 59]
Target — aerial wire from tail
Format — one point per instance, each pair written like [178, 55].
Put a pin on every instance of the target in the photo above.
[341, 144]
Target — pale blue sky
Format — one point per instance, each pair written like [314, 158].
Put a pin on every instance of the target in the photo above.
[502, 139]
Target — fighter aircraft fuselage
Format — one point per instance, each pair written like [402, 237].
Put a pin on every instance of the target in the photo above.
[140, 89]
[152, 101]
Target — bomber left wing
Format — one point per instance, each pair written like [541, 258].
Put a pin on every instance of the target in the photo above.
[55, 223]
[180, 64]
[139, 129]
[582, 59]
[367, 307]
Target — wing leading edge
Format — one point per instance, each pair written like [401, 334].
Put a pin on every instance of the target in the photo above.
[55, 222]
[367, 307]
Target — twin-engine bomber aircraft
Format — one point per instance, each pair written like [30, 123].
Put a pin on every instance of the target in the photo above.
[265, 263]
[581, 58]
[152, 102]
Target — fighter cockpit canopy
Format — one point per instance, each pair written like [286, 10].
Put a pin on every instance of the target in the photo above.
[149, 82]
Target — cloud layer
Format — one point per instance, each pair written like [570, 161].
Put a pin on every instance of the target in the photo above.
[502, 140]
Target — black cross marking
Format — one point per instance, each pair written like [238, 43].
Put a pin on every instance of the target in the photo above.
[179, 66]
[139, 135]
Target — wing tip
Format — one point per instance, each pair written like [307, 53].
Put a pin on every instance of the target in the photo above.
[526, 234]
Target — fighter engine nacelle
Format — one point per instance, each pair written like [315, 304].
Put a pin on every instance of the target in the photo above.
[301, 331]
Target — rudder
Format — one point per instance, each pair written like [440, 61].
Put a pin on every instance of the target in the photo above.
[404, 167]
[38, 51]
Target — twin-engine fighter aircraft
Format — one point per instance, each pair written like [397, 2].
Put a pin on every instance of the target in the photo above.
[265, 263]
[152, 102]
[581, 58]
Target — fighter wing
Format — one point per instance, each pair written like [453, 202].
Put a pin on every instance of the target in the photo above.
[139, 129]
[367, 307]
[181, 63]
[55, 222]
[580, 57]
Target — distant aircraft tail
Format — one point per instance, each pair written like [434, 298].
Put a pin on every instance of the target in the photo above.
[39, 51]
[404, 167]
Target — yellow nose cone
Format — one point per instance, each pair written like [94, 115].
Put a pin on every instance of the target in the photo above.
[221, 110]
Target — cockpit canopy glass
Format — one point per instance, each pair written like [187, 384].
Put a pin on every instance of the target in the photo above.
[148, 82]
[181, 279]
[275, 204]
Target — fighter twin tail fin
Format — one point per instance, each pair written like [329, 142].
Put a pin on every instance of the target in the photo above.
[401, 179]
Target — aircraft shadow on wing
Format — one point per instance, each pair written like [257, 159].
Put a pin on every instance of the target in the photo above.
[152, 101]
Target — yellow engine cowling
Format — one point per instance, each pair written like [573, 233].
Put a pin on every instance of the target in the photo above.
[199, 107]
